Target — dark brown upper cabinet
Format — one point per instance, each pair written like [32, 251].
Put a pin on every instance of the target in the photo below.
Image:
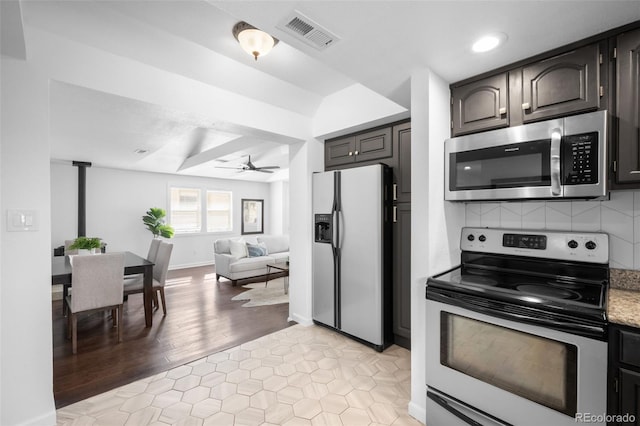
[562, 85]
[373, 145]
[402, 173]
[628, 107]
[339, 152]
[565, 82]
[481, 105]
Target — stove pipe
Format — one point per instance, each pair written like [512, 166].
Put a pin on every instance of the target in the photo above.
[82, 196]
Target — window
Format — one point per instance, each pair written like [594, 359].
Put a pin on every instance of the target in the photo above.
[186, 216]
[190, 213]
[219, 212]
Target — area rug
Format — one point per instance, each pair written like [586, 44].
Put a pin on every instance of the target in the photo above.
[259, 295]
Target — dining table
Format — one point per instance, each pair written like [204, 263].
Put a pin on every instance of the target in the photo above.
[61, 272]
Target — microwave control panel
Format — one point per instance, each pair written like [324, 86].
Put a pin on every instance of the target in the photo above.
[580, 154]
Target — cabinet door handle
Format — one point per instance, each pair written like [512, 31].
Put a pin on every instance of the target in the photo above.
[350, 153]
[634, 172]
[357, 152]
[395, 214]
[503, 111]
[526, 106]
[395, 191]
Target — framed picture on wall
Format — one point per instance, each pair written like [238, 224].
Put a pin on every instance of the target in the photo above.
[252, 216]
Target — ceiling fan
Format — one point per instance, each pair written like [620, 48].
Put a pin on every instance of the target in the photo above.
[250, 167]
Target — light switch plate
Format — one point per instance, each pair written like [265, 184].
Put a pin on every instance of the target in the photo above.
[22, 220]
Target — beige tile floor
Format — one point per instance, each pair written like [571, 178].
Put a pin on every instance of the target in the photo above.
[296, 376]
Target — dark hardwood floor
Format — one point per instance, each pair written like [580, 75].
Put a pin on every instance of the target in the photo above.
[201, 320]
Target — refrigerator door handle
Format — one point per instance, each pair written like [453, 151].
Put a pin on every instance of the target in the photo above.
[335, 245]
[336, 208]
[335, 217]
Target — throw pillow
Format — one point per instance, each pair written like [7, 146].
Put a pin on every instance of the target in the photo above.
[238, 248]
[257, 250]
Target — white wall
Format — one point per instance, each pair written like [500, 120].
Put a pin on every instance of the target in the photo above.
[117, 200]
[26, 360]
[352, 109]
[279, 194]
[305, 158]
[435, 224]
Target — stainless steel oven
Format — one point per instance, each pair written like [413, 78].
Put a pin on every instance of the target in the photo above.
[517, 333]
[560, 158]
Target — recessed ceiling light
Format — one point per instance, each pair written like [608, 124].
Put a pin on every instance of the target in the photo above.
[488, 42]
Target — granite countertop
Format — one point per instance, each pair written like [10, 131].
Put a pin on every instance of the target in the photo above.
[624, 297]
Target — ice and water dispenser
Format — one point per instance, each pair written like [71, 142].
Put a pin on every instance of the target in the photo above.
[322, 226]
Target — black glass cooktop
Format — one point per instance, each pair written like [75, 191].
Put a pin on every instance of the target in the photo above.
[509, 284]
[570, 295]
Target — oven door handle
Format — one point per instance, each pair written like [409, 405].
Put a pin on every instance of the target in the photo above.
[467, 302]
[444, 404]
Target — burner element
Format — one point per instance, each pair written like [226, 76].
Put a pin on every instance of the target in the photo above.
[477, 271]
[471, 279]
[566, 284]
[546, 291]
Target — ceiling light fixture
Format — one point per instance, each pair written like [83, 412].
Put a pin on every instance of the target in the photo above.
[489, 42]
[252, 40]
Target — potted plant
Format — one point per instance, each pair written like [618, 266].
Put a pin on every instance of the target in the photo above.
[86, 245]
[155, 222]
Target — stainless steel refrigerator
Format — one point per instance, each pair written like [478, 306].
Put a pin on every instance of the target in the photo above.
[351, 253]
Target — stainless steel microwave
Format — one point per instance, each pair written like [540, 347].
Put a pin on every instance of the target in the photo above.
[560, 158]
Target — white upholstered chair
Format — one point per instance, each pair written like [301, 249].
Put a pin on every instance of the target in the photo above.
[153, 249]
[97, 285]
[151, 257]
[160, 270]
[67, 250]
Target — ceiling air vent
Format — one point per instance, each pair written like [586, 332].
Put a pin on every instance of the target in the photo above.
[308, 31]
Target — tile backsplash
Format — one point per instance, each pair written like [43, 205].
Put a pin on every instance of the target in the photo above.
[619, 217]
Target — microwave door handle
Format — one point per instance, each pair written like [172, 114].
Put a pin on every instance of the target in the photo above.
[556, 138]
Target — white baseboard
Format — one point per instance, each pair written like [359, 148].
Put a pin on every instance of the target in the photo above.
[301, 320]
[48, 418]
[190, 265]
[417, 412]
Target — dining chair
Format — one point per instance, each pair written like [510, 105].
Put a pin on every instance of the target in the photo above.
[68, 251]
[66, 286]
[97, 286]
[151, 257]
[153, 249]
[160, 270]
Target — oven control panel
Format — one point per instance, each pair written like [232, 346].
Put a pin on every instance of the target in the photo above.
[574, 246]
[534, 242]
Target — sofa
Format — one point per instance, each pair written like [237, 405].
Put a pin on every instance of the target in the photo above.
[244, 258]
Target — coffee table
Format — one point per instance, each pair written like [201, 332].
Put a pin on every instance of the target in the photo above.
[282, 267]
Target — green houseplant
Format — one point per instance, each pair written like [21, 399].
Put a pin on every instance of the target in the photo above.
[86, 243]
[155, 222]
